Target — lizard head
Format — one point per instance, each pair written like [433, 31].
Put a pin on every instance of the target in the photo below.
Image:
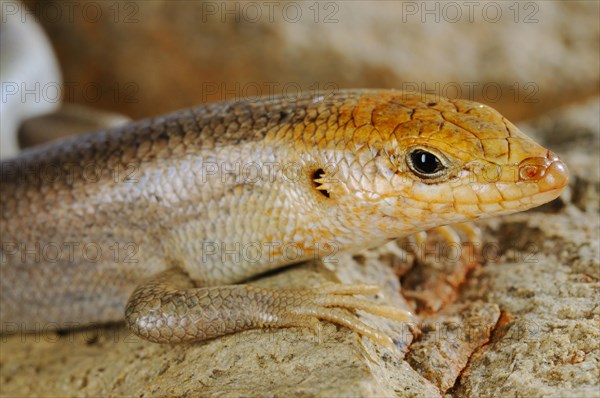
[422, 161]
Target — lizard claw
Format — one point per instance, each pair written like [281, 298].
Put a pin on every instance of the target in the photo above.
[326, 302]
[450, 238]
[446, 255]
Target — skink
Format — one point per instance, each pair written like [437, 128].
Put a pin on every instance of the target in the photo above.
[159, 221]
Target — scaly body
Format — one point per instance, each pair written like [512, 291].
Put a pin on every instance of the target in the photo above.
[216, 194]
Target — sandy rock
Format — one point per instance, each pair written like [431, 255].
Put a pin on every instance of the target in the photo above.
[144, 58]
[447, 342]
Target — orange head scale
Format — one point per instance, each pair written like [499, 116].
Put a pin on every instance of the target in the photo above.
[406, 162]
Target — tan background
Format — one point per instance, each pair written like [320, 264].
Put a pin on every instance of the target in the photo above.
[143, 58]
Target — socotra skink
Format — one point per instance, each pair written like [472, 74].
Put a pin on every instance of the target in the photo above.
[157, 221]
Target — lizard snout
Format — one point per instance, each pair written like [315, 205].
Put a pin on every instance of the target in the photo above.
[549, 172]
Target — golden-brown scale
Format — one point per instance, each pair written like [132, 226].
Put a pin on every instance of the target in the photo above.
[216, 194]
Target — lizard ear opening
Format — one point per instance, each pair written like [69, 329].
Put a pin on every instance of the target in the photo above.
[318, 177]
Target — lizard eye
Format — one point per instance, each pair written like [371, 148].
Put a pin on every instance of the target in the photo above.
[425, 164]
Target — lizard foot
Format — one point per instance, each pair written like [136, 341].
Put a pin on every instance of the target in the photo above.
[167, 308]
[445, 256]
[448, 238]
[325, 302]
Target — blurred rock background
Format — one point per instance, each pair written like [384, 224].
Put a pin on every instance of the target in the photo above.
[142, 58]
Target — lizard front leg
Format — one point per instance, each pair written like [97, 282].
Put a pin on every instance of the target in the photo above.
[168, 308]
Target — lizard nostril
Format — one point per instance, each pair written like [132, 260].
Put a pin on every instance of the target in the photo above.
[533, 168]
[549, 172]
[531, 172]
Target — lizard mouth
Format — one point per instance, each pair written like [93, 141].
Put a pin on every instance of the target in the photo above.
[538, 181]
